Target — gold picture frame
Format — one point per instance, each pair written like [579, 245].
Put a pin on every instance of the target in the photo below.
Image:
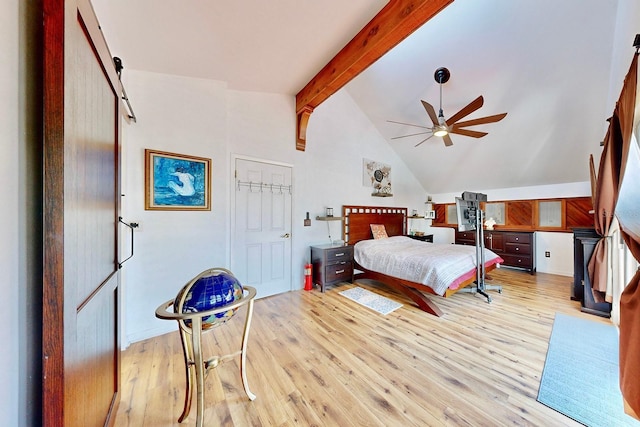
[176, 182]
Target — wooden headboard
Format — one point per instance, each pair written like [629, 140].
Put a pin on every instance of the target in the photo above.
[357, 221]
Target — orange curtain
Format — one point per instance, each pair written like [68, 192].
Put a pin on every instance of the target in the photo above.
[606, 194]
[630, 299]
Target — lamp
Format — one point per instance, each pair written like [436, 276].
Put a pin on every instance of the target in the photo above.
[441, 131]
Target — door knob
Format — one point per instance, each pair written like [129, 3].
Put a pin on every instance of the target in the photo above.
[286, 235]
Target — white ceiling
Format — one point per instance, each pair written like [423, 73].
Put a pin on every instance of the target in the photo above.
[544, 62]
[272, 46]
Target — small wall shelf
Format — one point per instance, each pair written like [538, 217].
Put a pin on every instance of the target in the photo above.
[328, 219]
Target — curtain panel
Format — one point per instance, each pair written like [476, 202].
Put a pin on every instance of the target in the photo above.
[621, 132]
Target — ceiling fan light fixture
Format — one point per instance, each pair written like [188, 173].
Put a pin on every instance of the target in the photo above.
[441, 131]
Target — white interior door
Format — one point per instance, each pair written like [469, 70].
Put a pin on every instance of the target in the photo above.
[261, 244]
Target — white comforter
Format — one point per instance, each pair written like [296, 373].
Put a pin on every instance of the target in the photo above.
[438, 266]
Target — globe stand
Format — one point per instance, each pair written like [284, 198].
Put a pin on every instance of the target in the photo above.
[191, 329]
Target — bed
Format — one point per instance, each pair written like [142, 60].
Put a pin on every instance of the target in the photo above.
[410, 266]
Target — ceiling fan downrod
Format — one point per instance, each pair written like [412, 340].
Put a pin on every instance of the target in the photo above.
[441, 76]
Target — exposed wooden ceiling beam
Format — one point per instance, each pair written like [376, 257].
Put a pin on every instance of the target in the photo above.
[397, 20]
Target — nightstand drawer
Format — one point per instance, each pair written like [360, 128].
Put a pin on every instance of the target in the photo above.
[341, 271]
[340, 254]
[518, 248]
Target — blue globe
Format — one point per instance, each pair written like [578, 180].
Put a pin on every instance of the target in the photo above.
[208, 292]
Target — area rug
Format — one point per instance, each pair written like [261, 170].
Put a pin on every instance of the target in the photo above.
[371, 300]
[580, 377]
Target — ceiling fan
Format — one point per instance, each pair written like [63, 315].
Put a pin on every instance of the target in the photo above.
[444, 127]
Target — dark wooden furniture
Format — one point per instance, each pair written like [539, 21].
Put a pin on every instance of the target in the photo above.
[577, 290]
[357, 227]
[465, 238]
[589, 304]
[516, 248]
[423, 238]
[331, 264]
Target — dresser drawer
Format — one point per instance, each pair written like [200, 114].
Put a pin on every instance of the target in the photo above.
[465, 238]
[518, 261]
[339, 254]
[340, 272]
[466, 235]
[517, 248]
[518, 238]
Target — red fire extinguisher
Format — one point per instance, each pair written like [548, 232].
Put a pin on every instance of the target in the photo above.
[308, 285]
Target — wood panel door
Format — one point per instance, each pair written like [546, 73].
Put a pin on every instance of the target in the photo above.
[81, 208]
[261, 244]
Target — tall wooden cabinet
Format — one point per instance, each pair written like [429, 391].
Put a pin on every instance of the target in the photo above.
[584, 243]
[516, 248]
[579, 234]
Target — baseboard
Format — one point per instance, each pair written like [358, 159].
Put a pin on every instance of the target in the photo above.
[151, 333]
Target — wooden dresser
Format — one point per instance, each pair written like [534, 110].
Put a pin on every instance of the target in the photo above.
[331, 264]
[516, 248]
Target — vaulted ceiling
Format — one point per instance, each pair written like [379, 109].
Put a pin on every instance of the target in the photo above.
[546, 63]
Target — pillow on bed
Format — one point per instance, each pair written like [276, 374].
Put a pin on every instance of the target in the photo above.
[378, 231]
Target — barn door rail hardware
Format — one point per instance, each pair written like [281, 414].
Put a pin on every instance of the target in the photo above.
[118, 63]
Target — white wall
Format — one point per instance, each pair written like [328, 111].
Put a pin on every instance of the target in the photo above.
[179, 115]
[9, 215]
[560, 248]
[205, 118]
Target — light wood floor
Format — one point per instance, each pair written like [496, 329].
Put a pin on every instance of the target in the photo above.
[322, 360]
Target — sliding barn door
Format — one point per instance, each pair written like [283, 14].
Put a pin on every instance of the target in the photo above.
[81, 199]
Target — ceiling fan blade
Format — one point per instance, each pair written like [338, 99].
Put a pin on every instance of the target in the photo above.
[447, 140]
[413, 134]
[431, 112]
[423, 140]
[481, 120]
[470, 108]
[408, 124]
[467, 132]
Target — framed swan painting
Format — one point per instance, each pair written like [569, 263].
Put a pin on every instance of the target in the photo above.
[176, 181]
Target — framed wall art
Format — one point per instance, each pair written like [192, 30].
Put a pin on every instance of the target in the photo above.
[377, 175]
[176, 181]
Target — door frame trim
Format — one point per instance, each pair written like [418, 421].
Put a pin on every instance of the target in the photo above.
[232, 205]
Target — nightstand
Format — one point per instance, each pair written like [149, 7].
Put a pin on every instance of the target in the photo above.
[423, 238]
[331, 264]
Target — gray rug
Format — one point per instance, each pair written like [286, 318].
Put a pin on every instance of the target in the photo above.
[371, 300]
[580, 377]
